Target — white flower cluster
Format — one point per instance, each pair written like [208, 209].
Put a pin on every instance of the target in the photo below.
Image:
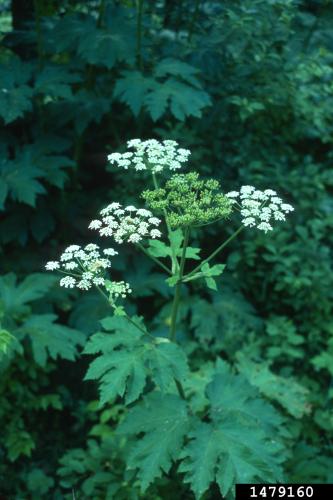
[151, 155]
[85, 266]
[128, 223]
[118, 289]
[259, 208]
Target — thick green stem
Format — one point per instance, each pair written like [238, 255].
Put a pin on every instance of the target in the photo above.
[217, 251]
[158, 262]
[176, 299]
[174, 260]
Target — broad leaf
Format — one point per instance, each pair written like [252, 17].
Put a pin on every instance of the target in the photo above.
[286, 391]
[128, 357]
[50, 339]
[164, 421]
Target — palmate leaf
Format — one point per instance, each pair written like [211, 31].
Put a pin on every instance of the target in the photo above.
[21, 180]
[241, 441]
[175, 67]
[228, 452]
[182, 98]
[164, 421]
[15, 297]
[286, 391]
[55, 81]
[15, 93]
[132, 89]
[128, 357]
[50, 339]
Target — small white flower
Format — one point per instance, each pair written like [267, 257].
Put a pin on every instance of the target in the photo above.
[155, 233]
[279, 216]
[154, 221]
[246, 190]
[151, 155]
[270, 192]
[110, 251]
[69, 266]
[66, 256]
[249, 221]
[84, 284]
[98, 281]
[143, 212]
[68, 282]
[232, 194]
[128, 224]
[287, 208]
[95, 224]
[91, 247]
[72, 248]
[52, 265]
[259, 208]
[134, 238]
[264, 226]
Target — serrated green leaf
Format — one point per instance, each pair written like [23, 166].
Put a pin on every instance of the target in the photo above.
[120, 368]
[21, 176]
[15, 94]
[128, 357]
[286, 391]
[167, 362]
[55, 81]
[211, 283]
[175, 67]
[132, 88]
[50, 339]
[215, 270]
[15, 297]
[164, 421]
[160, 249]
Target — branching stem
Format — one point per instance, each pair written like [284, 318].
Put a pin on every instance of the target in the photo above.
[217, 251]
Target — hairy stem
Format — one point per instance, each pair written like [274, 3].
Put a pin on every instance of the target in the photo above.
[176, 299]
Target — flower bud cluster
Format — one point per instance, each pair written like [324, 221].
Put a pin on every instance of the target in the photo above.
[118, 289]
[189, 200]
[151, 155]
[259, 208]
[129, 224]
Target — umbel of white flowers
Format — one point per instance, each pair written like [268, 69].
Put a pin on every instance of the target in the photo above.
[126, 223]
[151, 155]
[85, 267]
[259, 208]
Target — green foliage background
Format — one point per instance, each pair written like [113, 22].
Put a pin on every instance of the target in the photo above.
[247, 85]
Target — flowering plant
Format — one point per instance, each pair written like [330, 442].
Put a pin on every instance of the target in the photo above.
[151, 370]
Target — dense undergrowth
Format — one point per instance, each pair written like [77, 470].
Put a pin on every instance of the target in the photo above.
[247, 86]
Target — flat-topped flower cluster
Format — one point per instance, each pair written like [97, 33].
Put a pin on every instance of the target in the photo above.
[84, 267]
[151, 155]
[129, 224]
[259, 208]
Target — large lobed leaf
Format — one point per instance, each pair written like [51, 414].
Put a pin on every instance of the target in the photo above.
[240, 443]
[128, 357]
[164, 420]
